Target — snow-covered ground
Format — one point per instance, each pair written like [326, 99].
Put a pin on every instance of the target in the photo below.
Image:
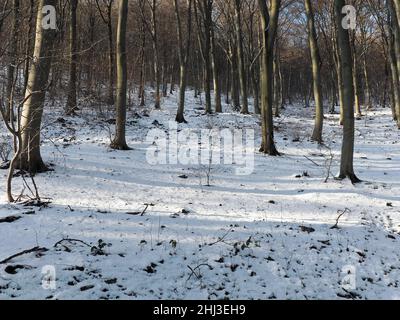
[267, 235]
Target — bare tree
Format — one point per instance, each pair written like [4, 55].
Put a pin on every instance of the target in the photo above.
[184, 52]
[316, 70]
[119, 141]
[344, 48]
[269, 19]
[71, 106]
[30, 158]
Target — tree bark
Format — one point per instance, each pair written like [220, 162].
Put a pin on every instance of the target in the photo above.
[240, 55]
[183, 57]
[316, 72]
[344, 48]
[269, 22]
[12, 54]
[119, 142]
[217, 88]
[71, 106]
[32, 111]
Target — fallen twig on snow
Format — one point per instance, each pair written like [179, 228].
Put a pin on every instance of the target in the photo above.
[35, 249]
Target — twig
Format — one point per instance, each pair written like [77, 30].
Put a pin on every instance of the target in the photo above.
[198, 276]
[311, 160]
[341, 214]
[220, 239]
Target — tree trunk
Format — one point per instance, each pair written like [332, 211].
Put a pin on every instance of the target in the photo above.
[234, 75]
[183, 58]
[240, 56]
[32, 111]
[71, 106]
[217, 88]
[344, 48]
[28, 43]
[367, 89]
[111, 66]
[355, 78]
[316, 72]
[119, 142]
[12, 54]
[269, 30]
[277, 89]
[394, 63]
[204, 27]
[156, 55]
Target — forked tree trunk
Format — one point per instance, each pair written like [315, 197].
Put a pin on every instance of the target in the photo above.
[32, 111]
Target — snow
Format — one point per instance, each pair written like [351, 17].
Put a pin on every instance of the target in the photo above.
[267, 235]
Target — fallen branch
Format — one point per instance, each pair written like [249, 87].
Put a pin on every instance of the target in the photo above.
[35, 249]
[143, 212]
[70, 241]
[9, 219]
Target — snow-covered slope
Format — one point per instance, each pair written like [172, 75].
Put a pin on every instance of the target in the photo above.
[262, 236]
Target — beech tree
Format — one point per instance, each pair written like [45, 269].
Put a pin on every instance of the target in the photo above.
[269, 25]
[347, 86]
[71, 106]
[119, 141]
[316, 71]
[184, 52]
[32, 111]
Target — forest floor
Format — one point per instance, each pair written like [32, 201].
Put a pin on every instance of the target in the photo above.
[267, 235]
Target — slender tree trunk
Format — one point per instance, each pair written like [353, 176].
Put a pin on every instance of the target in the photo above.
[367, 89]
[183, 57]
[344, 48]
[234, 75]
[394, 63]
[277, 107]
[217, 88]
[339, 71]
[204, 26]
[316, 72]
[32, 111]
[269, 21]
[357, 104]
[71, 106]
[28, 43]
[119, 142]
[228, 83]
[111, 66]
[240, 54]
[156, 55]
[12, 54]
